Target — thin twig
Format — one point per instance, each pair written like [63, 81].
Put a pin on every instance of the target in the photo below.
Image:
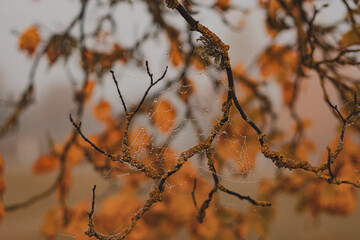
[119, 92]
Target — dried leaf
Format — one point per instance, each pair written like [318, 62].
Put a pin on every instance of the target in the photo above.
[352, 37]
[164, 115]
[197, 61]
[29, 40]
[139, 140]
[186, 89]
[59, 46]
[2, 179]
[46, 163]
[75, 155]
[288, 91]
[2, 164]
[113, 212]
[89, 87]
[323, 197]
[223, 5]
[2, 211]
[78, 221]
[102, 111]
[53, 222]
[209, 228]
[175, 53]
[278, 61]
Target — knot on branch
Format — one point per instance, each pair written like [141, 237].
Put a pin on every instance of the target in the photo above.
[172, 3]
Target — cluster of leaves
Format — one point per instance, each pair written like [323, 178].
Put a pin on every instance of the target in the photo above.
[148, 154]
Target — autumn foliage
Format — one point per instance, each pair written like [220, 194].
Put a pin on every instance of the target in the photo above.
[174, 153]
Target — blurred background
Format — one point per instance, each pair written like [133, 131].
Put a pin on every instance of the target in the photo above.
[49, 115]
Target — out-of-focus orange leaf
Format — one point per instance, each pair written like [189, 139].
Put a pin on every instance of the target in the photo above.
[2, 185]
[2, 211]
[2, 179]
[332, 199]
[352, 37]
[59, 46]
[278, 61]
[304, 148]
[164, 115]
[2, 188]
[89, 87]
[53, 222]
[1, 165]
[175, 53]
[29, 40]
[46, 163]
[292, 183]
[243, 224]
[75, 155]
[198, 62]
[139, 139]
[64, 185]
[288, 91]
[222, 4]
[263, 220]
[102, 111]
[186, 89]
[238, 70]
[305, 124]
[114, 138]
[186, 212]
[120, 54]
[209, 228]
[143, 231]
[167, 159]
[78, 221]
[113, 211]
[348, 161]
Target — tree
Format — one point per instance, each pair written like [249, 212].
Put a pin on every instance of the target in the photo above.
[147, 141]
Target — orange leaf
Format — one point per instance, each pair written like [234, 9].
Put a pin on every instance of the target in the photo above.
[168, 158]
[198, 62]
[75, 155]
[59, 45]
[46, 163]
[113, 211]
[52, 222]
[2, 179]
[78, 221]
[120, 53]
[278, 61]
[288, 91]
[89, 87]
[324, 197]
[2, 211]
[1, 165]
[222, 4]
[175, 54]
[2, 185]
[102, 111]
[164, 115]
[209, 228]
[352, 37]
[29, 40]
[139, 139]
[186, 89]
